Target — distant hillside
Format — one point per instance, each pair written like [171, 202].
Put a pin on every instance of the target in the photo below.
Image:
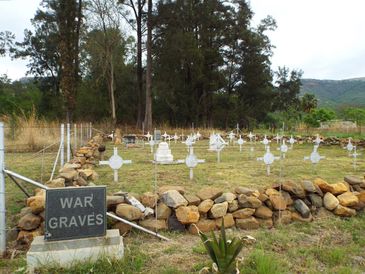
[335, 93]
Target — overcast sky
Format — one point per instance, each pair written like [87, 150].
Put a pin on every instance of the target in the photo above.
[324, 38]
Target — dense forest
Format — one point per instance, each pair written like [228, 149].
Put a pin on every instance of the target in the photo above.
[174, 62]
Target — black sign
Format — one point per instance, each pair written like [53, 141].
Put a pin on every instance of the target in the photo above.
[75, 212]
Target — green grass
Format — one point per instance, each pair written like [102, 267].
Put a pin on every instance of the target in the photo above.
[332, 245]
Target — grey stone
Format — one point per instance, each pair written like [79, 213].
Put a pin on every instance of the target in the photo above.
[302, 208]
[174, 199]
[316, 200]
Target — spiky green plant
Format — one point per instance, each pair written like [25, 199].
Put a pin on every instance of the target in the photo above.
[223, 252]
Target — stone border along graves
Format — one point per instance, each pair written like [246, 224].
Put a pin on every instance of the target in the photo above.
[177, 209]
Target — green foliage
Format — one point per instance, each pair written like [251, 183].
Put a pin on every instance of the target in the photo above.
[355, 114]
[260, 262]
[316, 116]
[223, 252]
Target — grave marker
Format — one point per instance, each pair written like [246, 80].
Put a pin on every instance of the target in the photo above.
[240, 142]
[268, 159]
[291, 141]
[73, 213]
[349, 147]
[192, 161]
[115, 162]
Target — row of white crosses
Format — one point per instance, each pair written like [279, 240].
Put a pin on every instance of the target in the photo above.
[350, 147]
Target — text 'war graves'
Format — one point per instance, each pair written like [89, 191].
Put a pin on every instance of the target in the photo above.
[73, 213]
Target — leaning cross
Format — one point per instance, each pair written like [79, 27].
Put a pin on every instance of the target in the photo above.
[268, 159]
[115, 162]
[349, 146]
[218, 145]
[291, 141]
[192, 161]
[283, 149]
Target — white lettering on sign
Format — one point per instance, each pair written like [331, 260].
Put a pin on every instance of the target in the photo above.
[75, 202]
[75, 221]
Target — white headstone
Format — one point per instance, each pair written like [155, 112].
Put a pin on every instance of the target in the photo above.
[163, 154]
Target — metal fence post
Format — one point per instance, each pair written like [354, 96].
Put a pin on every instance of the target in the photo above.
[68, 143]
[75, 138]
[2, 194]
[62, 145]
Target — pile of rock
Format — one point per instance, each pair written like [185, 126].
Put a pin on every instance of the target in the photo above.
[78, 172]
[244, 208]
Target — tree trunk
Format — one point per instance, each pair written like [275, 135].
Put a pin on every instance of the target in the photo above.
[148, 110]
[111, 89]
[139, 66]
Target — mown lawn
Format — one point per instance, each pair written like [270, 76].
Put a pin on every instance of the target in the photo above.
[327, 245]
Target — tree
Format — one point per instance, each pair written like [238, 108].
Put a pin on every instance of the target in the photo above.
[6, 41]
[308, 102]
[355, 114]
[137, 7]
[69, 17]
[148, 110]
[287, 89]
[316, 116]
[105, 42]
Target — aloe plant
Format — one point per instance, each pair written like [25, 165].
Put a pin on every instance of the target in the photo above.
[223, 252]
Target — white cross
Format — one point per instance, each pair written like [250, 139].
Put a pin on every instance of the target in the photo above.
[250, 136]
[218, 145]
[198, 135]
[189, 142]
[148, 135]
[354, 155]
[349, 147]
[240, 142]
[318, 140]
[268, 159]
[291, 141]
[314, 157]
[192, 161]
[152, 144]
[265, 141]
[175, 137]
[283, 148]
[278, 138]
[165, 135]
[231, 136]
[115, 162]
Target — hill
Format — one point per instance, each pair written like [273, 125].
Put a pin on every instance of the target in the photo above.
[336, 93]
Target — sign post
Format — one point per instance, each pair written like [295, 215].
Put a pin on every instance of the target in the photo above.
[73, 213]
[2, 193]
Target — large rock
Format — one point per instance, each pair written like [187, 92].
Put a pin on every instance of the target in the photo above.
[205, 206]
[294, 188]
[187, 214]
[233, 206]
[112, 200]
[163, 211]
[225, 197]
[316, 200]
[309, 186]
[348, 199]
[174, 199]
[287, 197]
[271, 191]
[295, 216]
[209, 193]
[251, 202]
[263, 212]
[69, 175]
[122, 227]
[174, 224]
[302, 208]
[243, 213]
[56, 183]
[228, 221]
[344, 211]
[353, 180]
[248, 223]
[153, 224]
[128, 212]
[266, 223]
[277, 201]
[26, 237]
[149, 199]
[163, 189]
[282, 217]
[218, 210]
[203, 225]
[333, 188]
[263, 197]
[192, 199]
[29, 222]
[244, 190]
[36, 203]
[330, 201]
[361, 197]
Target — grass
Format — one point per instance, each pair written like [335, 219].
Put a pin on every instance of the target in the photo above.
[328, 245]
